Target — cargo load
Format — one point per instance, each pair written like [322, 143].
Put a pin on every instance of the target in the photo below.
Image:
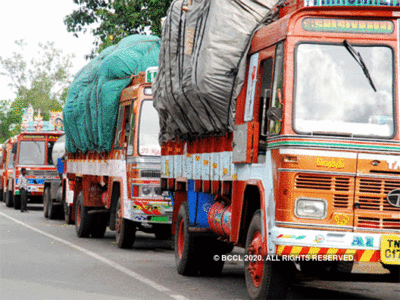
[202, 63]
[91, 107]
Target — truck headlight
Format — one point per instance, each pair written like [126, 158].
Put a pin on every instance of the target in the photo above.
[309, 208]
[146, 191]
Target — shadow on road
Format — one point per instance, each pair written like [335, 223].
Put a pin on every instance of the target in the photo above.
[301, 291]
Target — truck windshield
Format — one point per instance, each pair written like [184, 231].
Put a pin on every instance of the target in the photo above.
[148, 130]
[32, 153]
[334, 96]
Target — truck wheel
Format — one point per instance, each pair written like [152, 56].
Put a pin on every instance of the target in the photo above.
[83, 219]
[186, 254]
[1, 195]
[125, 229]
[163, 232]
[264, 279]
[99, 226]
[9, 199]
[46, 200]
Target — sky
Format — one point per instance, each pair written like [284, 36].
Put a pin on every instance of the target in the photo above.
[36, 22]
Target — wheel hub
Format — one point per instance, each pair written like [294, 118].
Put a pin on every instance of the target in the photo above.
[256, 266]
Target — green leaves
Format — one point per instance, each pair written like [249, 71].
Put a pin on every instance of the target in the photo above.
[116, 19]
[43, 82]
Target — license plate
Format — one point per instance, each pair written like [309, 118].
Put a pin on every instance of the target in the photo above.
[390, 249]
[159, 219]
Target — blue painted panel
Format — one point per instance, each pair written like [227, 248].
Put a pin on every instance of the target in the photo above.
[199, 205]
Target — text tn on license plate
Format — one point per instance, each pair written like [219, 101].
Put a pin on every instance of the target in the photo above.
[390, 249]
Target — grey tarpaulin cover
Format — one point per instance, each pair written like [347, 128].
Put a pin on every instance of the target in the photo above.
[91, 108]
[202, 64]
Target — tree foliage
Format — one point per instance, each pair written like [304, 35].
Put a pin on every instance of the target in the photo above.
[116, 19]
[42, 82]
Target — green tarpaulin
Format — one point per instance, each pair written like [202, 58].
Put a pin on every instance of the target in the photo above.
[91, 107]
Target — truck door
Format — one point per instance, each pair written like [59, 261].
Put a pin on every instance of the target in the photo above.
[123, 128]
[263, 84]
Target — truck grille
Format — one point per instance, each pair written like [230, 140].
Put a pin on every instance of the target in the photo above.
[150, 173]
[378, 223]
[339, 186]
[372, 192]
[373, 208]
[41, 173]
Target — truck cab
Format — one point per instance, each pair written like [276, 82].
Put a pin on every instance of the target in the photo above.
[32, 150]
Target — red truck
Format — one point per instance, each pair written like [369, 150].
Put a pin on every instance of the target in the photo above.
[310, 170]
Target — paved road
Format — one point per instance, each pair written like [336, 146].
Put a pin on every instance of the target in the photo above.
[43, 259]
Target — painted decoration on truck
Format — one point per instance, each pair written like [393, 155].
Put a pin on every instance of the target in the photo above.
[395, 3]
[32, 123]
[251, 87]
[347, 26]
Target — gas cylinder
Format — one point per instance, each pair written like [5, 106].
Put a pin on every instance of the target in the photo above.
[219, 219]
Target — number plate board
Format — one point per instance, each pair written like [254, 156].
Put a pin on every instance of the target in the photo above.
[390, 249]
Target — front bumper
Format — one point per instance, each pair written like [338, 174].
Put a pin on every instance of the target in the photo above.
[336, 245]
[149, 211]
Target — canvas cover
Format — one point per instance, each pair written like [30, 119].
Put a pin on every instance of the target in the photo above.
[91, 107]
[202, 64]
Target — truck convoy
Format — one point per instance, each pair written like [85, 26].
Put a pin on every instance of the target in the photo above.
[292, 152]
[112, 162]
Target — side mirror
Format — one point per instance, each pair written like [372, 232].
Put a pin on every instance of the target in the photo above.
[274, 113]
[14, 148]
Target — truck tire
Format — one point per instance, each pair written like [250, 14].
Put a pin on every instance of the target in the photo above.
[9, 199]
[83, 219]
[99, 226]
[17, 202]
[186, 249]
[264, 279]
[46, 200]
[125, 229]
[1, 195]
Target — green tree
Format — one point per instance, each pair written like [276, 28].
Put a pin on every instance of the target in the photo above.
[42, 82]
[116, 19]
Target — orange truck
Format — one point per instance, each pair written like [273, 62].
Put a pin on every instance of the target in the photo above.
[6, 169]
[311, 171]
[121, 187]
[31, 150]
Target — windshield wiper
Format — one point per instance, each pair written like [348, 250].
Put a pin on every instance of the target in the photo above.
[357, 56]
